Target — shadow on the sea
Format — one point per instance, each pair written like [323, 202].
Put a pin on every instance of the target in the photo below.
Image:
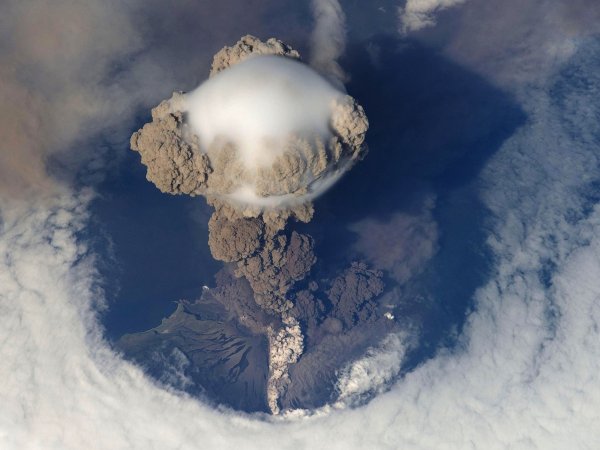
[154, 252]
[433, 125]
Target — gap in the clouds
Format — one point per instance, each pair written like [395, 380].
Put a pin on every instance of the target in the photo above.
[152, 247]
[433, 126]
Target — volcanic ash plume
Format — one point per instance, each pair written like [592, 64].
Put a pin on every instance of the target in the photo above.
[260, 139]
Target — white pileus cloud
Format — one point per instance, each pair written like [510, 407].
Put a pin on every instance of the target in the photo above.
[258, 104]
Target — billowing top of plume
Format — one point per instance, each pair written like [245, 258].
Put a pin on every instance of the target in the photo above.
[264, 132]
[246, 46]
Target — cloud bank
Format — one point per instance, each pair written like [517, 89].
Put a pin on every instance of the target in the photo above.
[524, 41]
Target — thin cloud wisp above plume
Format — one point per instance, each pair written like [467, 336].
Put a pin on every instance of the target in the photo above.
[328, 38]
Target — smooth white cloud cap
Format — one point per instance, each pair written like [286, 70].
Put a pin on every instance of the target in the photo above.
[260, 102]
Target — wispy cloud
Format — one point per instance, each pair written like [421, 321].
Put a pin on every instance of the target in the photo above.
[402, 244]
[418, 14]
[328, 38]
[520, 42]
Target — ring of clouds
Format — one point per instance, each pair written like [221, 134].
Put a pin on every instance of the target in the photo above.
[525, 372]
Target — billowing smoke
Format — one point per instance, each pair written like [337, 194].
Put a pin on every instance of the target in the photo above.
[260, 139]
[268, 133]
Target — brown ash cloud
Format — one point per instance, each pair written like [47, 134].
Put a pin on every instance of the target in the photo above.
[260, 166]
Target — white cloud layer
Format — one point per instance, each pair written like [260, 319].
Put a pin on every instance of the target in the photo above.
[526, 372]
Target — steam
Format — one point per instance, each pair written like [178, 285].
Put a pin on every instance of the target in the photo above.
[373, 372]
[328, 39]
[260, 140]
